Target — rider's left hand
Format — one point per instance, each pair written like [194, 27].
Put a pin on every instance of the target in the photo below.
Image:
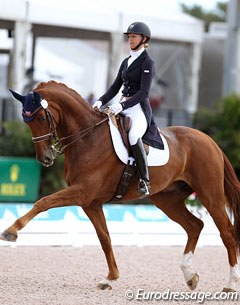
[116, 108]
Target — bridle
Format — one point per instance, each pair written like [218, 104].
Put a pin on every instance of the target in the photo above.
[55, 142]
[52, 133]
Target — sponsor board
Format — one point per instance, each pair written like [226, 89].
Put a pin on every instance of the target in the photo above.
[19, 179]
[139, 225]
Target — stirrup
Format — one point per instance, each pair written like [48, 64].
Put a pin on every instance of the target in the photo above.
[144, 188]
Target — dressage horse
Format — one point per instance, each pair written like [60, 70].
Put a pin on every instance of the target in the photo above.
[56, 113]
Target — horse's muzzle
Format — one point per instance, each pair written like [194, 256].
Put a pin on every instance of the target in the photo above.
[46, 161]
[48, 158]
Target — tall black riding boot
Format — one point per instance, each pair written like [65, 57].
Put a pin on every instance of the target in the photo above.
[140, 157]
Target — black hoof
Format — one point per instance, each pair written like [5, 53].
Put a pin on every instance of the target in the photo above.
[7, 236]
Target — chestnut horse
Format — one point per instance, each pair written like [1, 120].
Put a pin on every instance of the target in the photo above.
[93, 170]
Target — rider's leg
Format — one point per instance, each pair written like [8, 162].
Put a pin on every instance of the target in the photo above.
[142, 168]
[137, 130]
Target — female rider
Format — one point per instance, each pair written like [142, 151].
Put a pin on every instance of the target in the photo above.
[135, 74]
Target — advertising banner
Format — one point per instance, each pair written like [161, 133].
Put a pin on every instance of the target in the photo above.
[19, 179]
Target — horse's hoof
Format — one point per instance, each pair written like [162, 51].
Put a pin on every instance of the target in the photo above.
[228, 290]
[192, 284]
[104, 285]
[7, 236]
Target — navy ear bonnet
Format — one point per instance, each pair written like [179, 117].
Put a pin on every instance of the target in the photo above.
[31, 104]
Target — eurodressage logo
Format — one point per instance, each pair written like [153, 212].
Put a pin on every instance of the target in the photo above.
[13, 188]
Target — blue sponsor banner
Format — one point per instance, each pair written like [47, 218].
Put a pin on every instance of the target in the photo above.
[112, 212]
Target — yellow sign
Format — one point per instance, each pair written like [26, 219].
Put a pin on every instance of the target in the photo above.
[13, 189]
[14, 172]
[19, 179]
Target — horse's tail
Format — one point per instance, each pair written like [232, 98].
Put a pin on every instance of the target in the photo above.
[232, 192]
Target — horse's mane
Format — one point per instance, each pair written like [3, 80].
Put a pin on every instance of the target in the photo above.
[60, 87]
[63, 89]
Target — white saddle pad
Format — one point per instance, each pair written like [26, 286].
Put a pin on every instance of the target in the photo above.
[156, 157]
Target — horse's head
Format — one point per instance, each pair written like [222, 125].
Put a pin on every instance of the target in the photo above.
[40, 119]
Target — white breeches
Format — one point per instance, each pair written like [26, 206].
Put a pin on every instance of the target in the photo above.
[139, 123]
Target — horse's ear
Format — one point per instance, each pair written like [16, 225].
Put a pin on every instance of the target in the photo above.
[37, 97]
[17, 96]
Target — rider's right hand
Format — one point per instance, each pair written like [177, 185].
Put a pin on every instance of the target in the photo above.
[97, 104]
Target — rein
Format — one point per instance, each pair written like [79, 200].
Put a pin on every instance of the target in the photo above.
[80, 134]
[52, 135]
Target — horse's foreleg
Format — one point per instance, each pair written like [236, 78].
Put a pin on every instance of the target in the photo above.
[97, 217]
[66, 197]
[10, 234]
[174, 207]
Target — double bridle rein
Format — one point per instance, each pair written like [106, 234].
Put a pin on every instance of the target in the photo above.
[56, 143]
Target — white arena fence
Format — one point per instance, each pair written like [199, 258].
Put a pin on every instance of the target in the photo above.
[131, 225]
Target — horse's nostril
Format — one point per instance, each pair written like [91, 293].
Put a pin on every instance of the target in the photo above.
[47, 160]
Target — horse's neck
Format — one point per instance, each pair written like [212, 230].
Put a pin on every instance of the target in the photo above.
[76, 116]
[85, 129]
[73, 111]
[93, 141]
[92, 137]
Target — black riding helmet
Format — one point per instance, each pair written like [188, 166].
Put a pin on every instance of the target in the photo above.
[141, 29]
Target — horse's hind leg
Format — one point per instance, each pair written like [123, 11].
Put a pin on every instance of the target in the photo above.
[215, 204]
[172, 204]
[96, 215]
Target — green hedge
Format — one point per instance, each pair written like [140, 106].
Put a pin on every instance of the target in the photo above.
[223, 125]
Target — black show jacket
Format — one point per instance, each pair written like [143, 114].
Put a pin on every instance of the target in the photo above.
[136, 81]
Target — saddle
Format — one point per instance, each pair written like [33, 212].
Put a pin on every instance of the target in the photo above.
[123, 123]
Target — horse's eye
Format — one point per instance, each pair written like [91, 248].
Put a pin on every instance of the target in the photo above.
[42, 119]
